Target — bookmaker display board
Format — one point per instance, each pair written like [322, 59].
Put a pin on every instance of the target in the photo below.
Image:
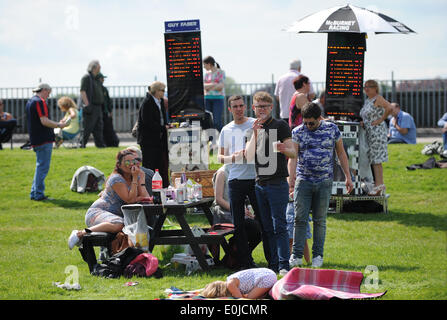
[344, 74]
[184, 70]
[350, 135]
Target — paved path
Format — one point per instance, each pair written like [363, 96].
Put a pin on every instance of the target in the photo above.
[424, 135]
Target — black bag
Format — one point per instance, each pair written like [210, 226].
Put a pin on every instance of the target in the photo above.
[115, 265]
[230, 259]
[92, 183]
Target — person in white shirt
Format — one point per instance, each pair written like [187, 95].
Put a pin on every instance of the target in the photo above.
[284, 89]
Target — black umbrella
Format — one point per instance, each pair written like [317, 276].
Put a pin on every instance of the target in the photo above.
[348, 18]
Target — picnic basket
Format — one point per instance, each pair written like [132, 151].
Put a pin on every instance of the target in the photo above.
[204, 177]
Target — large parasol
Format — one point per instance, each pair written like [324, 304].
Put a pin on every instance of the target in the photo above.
[348, 18]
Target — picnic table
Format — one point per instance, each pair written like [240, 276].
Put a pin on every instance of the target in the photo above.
[183, 236]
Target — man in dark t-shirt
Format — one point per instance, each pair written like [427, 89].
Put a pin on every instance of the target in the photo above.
[269, 146]
[92, 98]
[41, 134]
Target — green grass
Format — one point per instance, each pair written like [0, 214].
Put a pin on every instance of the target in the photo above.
[408, 246]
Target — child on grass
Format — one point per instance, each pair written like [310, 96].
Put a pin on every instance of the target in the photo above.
[250, 283]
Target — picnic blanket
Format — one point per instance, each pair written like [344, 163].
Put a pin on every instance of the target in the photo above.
[320, 284]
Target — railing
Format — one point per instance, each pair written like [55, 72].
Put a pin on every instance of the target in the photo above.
[425, 100]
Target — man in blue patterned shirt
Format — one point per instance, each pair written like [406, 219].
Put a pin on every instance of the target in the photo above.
[315, 141]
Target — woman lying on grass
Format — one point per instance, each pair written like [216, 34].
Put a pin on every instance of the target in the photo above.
[250, 283]
[124, 185]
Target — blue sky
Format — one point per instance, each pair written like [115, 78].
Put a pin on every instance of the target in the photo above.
[55, 40]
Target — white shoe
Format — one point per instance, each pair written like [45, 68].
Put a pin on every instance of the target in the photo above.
[317, 262]
[294, 262]
[283, 272]
[73, 239]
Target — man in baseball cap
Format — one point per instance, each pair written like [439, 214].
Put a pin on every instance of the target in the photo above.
[42, 86]
[41, 134]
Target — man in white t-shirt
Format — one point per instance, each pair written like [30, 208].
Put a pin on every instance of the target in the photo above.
[284, 89]
[241, 177]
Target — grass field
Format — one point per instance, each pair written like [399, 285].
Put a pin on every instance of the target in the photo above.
[407, 247]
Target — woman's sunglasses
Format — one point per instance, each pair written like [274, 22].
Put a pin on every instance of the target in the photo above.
[132, 162]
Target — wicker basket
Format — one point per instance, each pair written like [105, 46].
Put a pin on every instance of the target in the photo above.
[204, 177]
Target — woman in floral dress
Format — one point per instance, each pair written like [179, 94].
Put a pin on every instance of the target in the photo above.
[374, 113]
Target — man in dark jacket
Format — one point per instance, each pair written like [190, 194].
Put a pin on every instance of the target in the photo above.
[92, 98]
[109, 134]
[152, 133]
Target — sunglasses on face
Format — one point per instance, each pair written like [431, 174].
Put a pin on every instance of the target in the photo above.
[310, 123]
[135, 161]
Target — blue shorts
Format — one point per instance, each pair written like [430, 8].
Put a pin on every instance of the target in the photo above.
[290, 215]
[68, 135]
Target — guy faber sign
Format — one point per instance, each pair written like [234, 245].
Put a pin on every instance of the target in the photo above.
[182, 26]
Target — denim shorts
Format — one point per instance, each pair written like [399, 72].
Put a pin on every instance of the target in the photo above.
[290, 215]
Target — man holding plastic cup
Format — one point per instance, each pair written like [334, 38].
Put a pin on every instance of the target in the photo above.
[269, 146]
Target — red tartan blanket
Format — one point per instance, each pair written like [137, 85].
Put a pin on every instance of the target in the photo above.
[320, 284]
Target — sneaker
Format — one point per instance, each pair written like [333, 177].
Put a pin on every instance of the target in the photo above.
[44, 198]
[73, 239]
[283, 272]
[295, 262]
[432, 148]
[317, 262]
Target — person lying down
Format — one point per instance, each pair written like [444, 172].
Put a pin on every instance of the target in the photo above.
[250, 284]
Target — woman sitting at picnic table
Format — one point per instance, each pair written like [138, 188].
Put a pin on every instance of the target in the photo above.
[249, 283]
[125, 185]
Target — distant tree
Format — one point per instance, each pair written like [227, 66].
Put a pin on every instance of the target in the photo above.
[232, 88]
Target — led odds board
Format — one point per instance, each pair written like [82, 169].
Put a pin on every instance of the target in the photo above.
[184, 69]
[344, 74]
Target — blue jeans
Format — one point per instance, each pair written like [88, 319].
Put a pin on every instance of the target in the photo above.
[310, 195]
[272, 202]
[215, 106]
[43, 159]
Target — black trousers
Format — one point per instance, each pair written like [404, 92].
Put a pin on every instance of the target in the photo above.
[157, 158]
[6, 128]
[109, 134]
[238, 191]
[93, 123]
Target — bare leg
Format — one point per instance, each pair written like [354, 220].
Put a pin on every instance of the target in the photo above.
[306, 252]
[103, 227]
[378, 174]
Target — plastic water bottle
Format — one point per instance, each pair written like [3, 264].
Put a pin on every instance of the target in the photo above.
[250, 208]
[157, 181]
[183, 178]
